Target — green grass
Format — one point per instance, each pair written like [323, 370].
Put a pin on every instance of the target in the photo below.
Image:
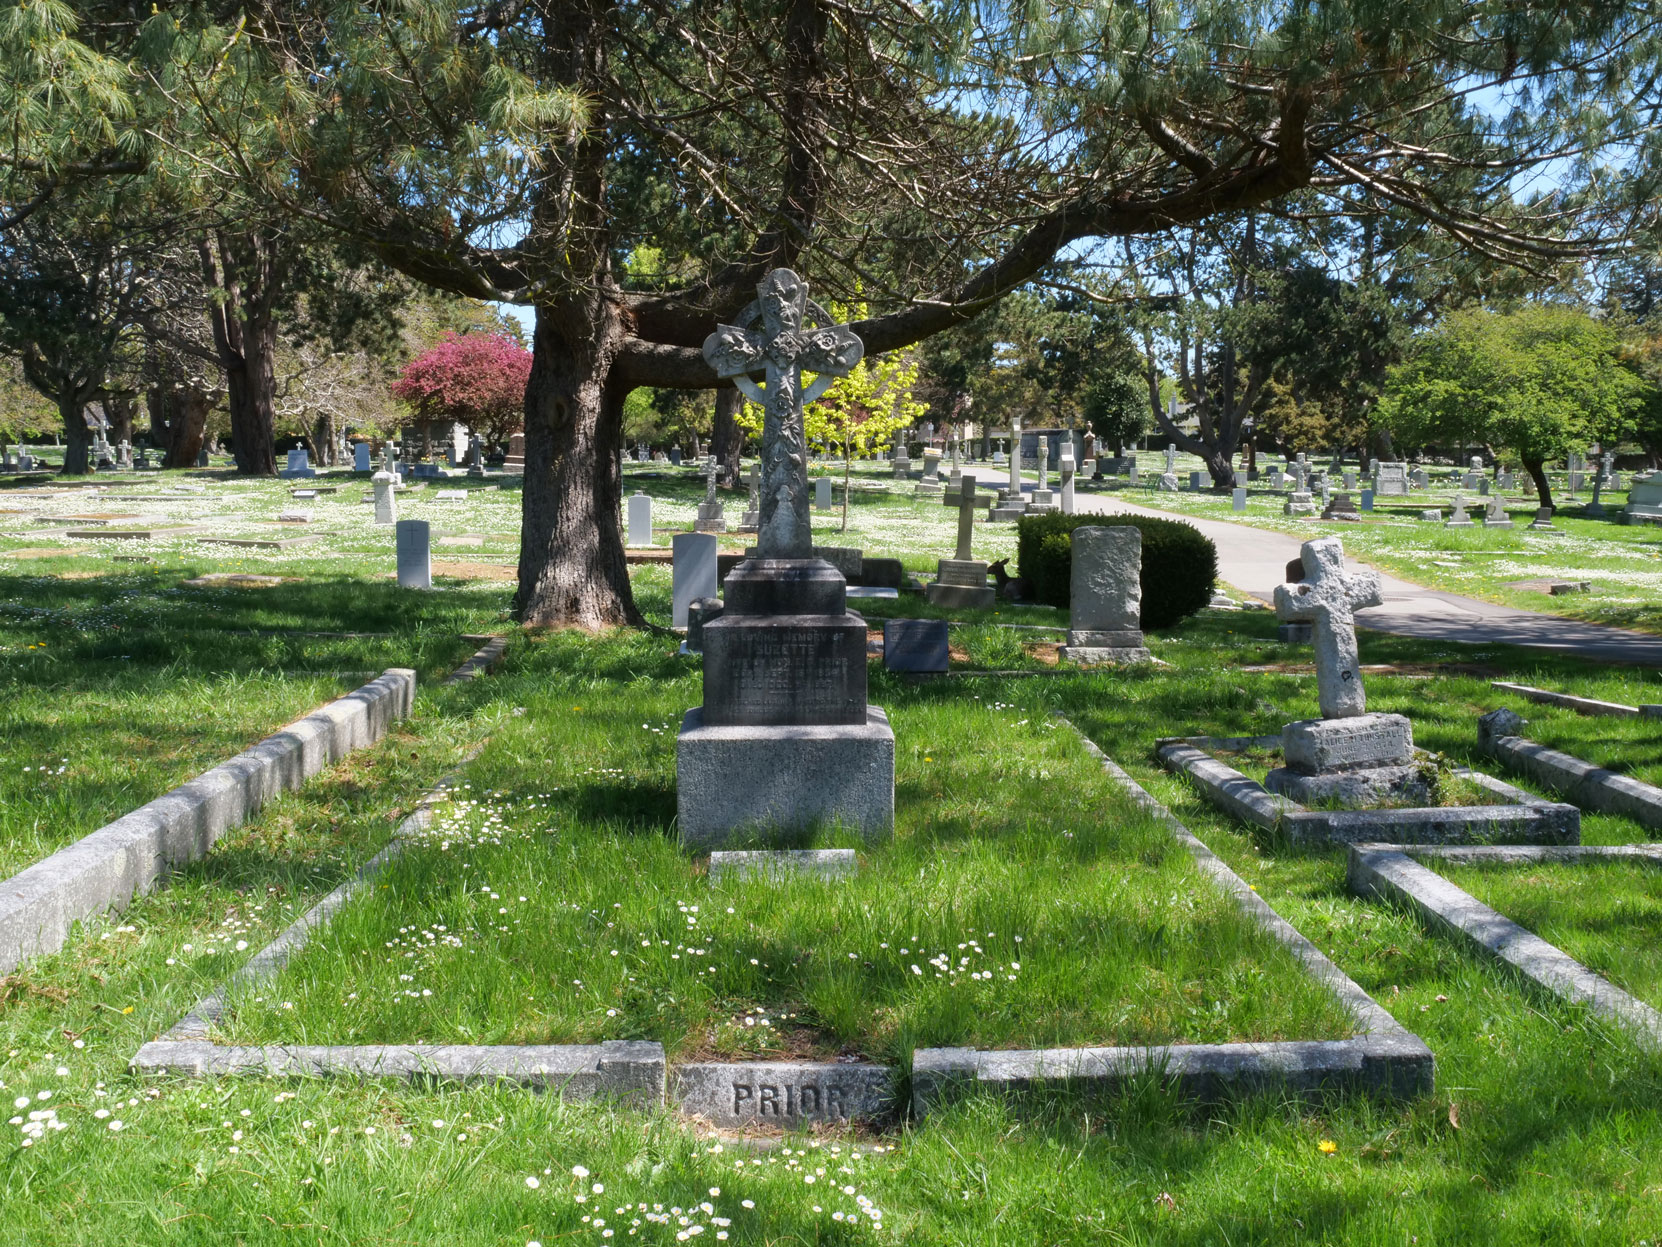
[1544, 1130]
[1024, 902]
[1604, 914]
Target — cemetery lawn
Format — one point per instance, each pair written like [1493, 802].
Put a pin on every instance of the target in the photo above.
[1604, 914]
[1623, 563]
[1024, 902]
[116, 688]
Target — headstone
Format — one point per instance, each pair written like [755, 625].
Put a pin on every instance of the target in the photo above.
[1105, 615]
[1195, 482]
[692, 573]
[640, 519]
[785, 739]
[902, 463]
[1508, 481]
[1348, 756]
[1367, 500]
[1432, 515]
[1483, 486]
[1390, 480]
[930, 485]
[386, 502]
[918, 646]
[1420, 478]
[1495, 516]
[1543, 520]
[822, 494]
[1238, 500]
[1348, 477]
[675, 456]
[1043, 501]
[360, 457]
[1644, 500]
[1274, 478]
[202, 457]
[1459, 519]
[1131, 475]
[711, 516]
[1067, 474]
[514, 464]
[1168, 478]
[414, 540]
[961, 581]
[299, 465]
[1340, 507]
[475, 458]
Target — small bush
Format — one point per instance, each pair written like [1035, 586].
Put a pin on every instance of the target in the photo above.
[1180, 566]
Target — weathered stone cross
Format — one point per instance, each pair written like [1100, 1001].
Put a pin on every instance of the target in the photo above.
[784, 346]
[710, 471]
[1327, 597]
[966, 519]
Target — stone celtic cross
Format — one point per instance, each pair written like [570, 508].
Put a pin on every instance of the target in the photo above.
[1328, 598]
[783, 347]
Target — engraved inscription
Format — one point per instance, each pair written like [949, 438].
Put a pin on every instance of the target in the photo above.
[818, 1100]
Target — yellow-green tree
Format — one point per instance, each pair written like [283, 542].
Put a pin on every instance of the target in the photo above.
[862, 412]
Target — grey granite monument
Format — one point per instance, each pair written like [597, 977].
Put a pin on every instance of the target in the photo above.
[640, 519]
[1067, 471]
[1347, 756]
[784, 740]
[385, 482]
[961, 581]
[751, 520]
[1106, 616]
[414, 540]
[711, 517]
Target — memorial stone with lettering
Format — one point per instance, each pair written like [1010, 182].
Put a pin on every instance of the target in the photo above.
[784, 739]
[1105, 615]
[961, 581]
[1390, 480]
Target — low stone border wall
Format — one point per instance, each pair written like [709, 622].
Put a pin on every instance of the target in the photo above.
[107, 868]
[482, 662]
[1591, 787]
[1390, 872]
[1384, 1060]
[1581, 705]
[1526, 819]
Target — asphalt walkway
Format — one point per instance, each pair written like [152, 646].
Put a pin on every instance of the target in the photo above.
[1254, 560]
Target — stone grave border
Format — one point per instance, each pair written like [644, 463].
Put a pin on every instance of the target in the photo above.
[1581, 705]
[1384, 1059]
[1525, 817]
[1391, 872]
[624, 1070]
[106, 868]
[1587, 785]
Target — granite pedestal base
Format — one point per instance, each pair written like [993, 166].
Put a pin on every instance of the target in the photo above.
[1092, 649]
[1354, 762]
[1352, 790]
[742, 783]
[961, 583]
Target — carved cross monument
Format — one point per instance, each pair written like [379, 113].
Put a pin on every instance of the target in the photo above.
[1328, 597]
[784, 347]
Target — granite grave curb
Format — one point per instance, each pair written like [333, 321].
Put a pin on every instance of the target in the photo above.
[1385, 1059]
[105, 869]
[1389, 872]
[630, 1070]
[1584, 783]
[1581, 705]
[1525, 819]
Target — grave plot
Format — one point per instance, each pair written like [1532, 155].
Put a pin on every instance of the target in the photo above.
[1025, 903]
[1361, 770]
[1577, 921]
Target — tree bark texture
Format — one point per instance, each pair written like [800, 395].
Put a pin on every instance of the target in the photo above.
[77, 442]
[1538, 473]
[572, 572]
[178, 422]
[245, 272]
[726, 440]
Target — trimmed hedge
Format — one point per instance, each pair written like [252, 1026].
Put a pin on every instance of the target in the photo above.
[1180, 566]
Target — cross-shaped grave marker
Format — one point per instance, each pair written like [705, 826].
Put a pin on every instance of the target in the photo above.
[784, 347]
[1328, 597]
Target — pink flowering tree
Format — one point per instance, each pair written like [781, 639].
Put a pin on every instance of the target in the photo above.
[475, 378]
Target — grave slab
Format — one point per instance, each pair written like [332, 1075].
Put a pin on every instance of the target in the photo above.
[919, 646]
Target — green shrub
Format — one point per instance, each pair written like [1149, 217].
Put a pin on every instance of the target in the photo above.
[1180, 566]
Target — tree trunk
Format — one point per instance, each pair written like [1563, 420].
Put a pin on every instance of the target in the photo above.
[572, 571]
[119, 412]
[323, 440]
[726, 440]
[1538, 473]
[178, 420]
[245, 336]
[77, 439]
[252, 391]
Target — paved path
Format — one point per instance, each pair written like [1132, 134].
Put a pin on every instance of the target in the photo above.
[1255, 560]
